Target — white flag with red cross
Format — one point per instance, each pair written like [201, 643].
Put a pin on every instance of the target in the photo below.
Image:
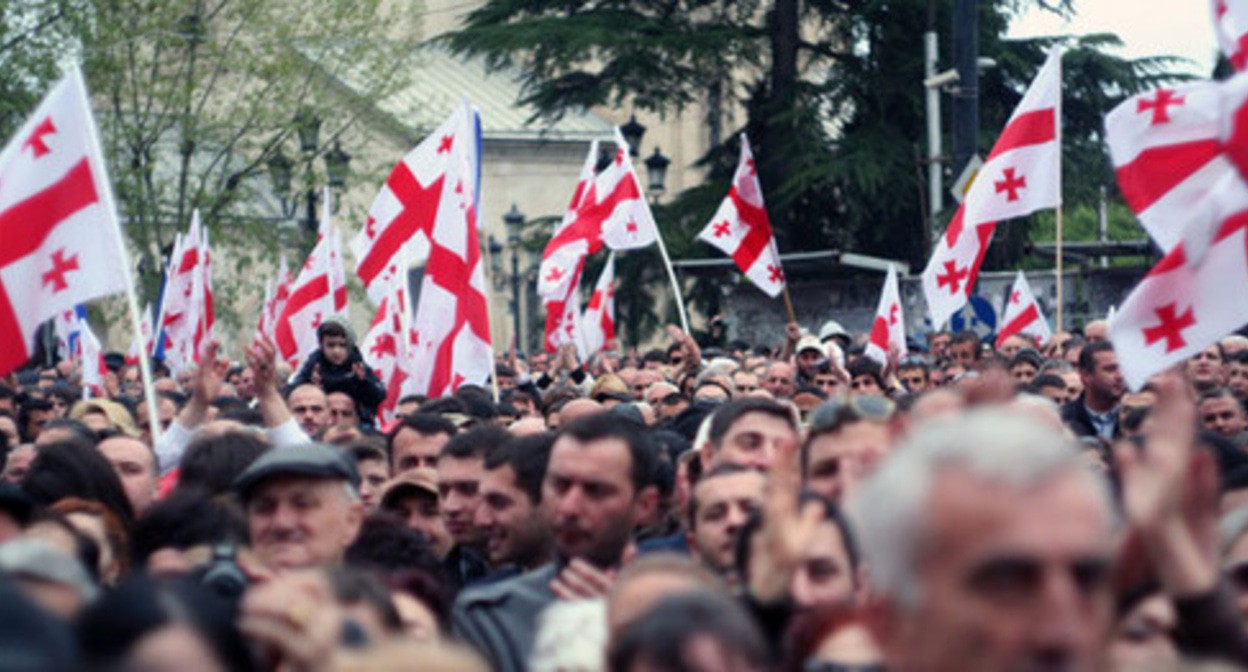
[276, 294]
[311, 300]
[1021, 175]
[888, 330]
[452, 322]
[141, 344]
[607, 208]
[1187, 301]
[94, 370]
[1230, 23]
[742, 230]
[598, 323]
[387, 347]
[337, 268]
[186, 314]
[411, 203]
[1022, 314]
[59, 234]
[1167, 150]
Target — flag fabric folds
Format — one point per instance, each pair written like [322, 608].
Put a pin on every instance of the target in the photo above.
[56, 226]
[1022, 314]
[598, 323]
[1230, 23]
[741, 229]
[1021, 175]
[888, 330]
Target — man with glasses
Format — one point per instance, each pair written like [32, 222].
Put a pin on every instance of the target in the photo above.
[847, 440]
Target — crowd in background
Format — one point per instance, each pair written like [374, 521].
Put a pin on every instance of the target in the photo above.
[713, 505]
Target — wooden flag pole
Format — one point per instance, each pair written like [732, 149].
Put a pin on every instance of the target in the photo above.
[132, 300]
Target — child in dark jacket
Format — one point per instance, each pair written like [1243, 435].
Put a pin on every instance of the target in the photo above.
[338, 366]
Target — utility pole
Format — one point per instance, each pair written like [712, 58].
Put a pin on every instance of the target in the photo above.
[966, 95]
[935, 192]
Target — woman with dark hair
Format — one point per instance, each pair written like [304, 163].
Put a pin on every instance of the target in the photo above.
[162, 627]
[213, 461]
[65, 469]
[102, 526]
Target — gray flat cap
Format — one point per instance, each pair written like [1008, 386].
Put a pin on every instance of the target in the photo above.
[315, 460]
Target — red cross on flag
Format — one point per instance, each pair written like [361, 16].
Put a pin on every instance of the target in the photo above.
[60, 241]
[1022, 314]
[1167, 150]
[413, 199]
[94, 370]
[1230, 23]
[888, 330]
[186, 311]
[452, 320]
[275, 295]
[141, 344]
[742, 230]
[1021, 175]
[1187, 301]
[388, 347]
[599, 320]
[337, 269]
[311, 300]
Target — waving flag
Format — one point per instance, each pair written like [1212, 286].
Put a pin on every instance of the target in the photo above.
[888, 330]
[608, 208]
[59, 234]
[1230, 23]
[141, 344]
[452, 322]
[410, 205]
[1167, 150]
[388, 347]
[742, 230]
[186, 315]
[94, 370]
[598, 323]
[311, 301]
[1022, 314]
[68, 329]
[1021, 175]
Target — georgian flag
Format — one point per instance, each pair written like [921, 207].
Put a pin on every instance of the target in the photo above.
[186, 314]
[598, 323]
[387, 347]
[1022, 314]
[1167, 150]
[60, 240]
[94, 370]
[141, 344]
[311, 300]
[741, 229]
[1230, 23]
[412, 202]
[1021, 175]
[888, 330]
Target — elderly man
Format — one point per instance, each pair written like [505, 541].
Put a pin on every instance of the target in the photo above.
[990, 545]
[780, 380]
[303, 506]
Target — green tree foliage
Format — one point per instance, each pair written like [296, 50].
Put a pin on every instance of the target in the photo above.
[833, 94]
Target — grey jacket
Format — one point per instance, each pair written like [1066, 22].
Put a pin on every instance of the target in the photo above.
[500, 619]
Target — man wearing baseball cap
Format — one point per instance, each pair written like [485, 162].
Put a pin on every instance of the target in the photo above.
[303, 506]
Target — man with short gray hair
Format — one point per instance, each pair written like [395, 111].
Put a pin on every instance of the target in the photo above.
[989, 546]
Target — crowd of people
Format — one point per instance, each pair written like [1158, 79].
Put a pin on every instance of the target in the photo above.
[705, 506]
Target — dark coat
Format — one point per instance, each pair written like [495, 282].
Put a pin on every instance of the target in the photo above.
[368, 392]
[500, 621]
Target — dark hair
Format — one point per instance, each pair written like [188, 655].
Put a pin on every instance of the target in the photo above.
[729, 413]
[74, 469]
[403, 559]
[243, 415]
[1045, 380]
[477, 402]
[368, 449]
[86, 550]
[212, 462]
[968, 337]
[26, 405]
[527, 456]
[654, 355]
[1087, 356]
[1027, 356]
[425, 424]
[110, 628]
[477, 442]
[602, 426]
[660, 638]
[725, 469]
[865, 366]
[75, 427]
[331, 328]
[445, 406]
[356, 587]
[186, 518]
[831, 514]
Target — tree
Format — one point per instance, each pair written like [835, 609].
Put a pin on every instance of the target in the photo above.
[832, 91]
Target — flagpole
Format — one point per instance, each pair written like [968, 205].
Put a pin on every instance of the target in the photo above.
[788, 298]
[132, 300]
[1058, 225]
[489, 312]
[1058, 269]
[671, 274]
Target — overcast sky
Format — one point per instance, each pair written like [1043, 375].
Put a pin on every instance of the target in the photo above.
[1147, 27]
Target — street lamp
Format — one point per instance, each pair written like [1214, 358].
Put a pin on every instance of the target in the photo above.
[514, 221]
[633, 132]
[656, 170]
[282, 169]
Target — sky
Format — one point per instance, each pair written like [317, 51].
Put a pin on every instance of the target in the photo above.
[1147, 27]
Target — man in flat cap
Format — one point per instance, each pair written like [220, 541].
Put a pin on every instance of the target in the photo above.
[303, 506]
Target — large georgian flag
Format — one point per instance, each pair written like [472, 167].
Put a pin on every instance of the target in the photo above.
[60, 241]
[1021, 175]
[1022, 314]
[452, 340]
[888, 330]
[742, 230]
[413, 201]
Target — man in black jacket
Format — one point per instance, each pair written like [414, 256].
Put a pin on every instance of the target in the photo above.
[338, 366]
[1095, 412]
